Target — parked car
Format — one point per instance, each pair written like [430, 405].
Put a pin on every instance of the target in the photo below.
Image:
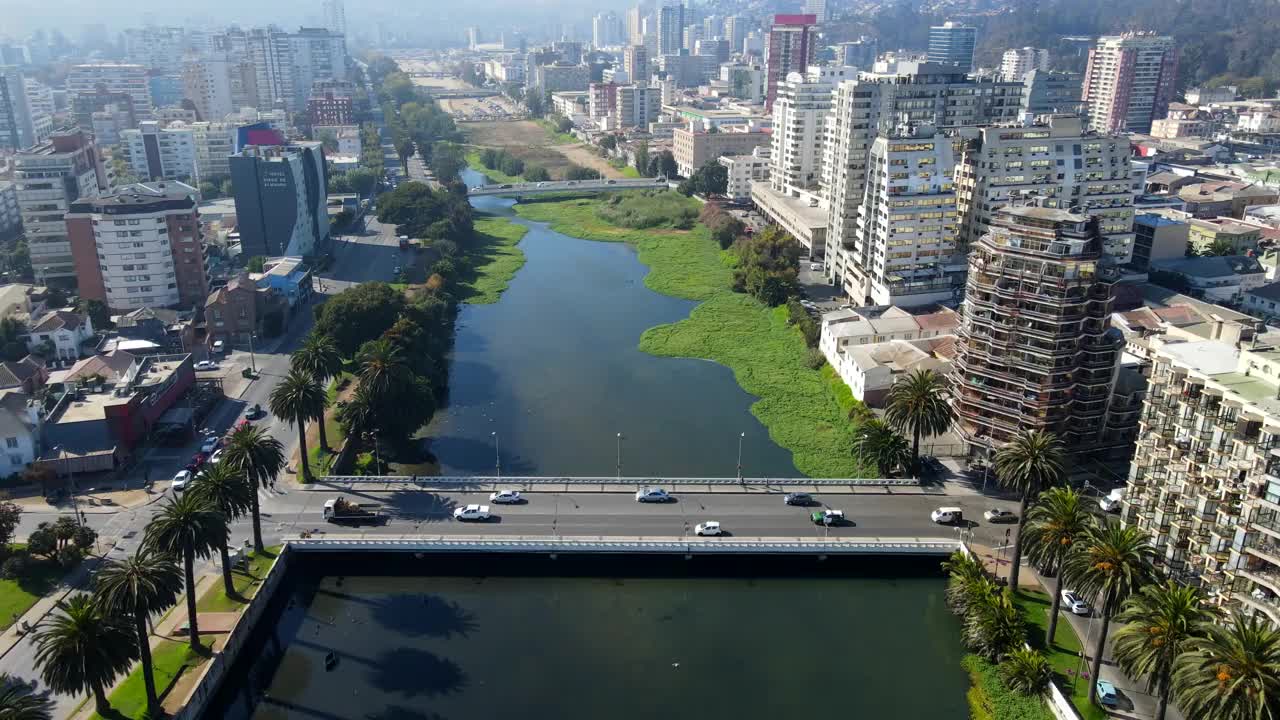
[797, 498]
[1107, 694]
[947, 515]
[997, 515]
[210, 444]
[180, 480]
[472, 512]
[1074, 603]
[217, 456]
[827, 517]
[815, 266]
[206, 365]
[1111, 503]
[652, 495]
[708, 528]
[255, 412]
[505, 497]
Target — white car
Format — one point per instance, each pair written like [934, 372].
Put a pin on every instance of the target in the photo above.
[505, 497]
[1074, 604]
[708, 528]
[998, 515]
[652, 495]
[180, 480]
[217, 456]
[815, 266]
[472, 512]
[210, 444]
[947, 515]
[206, 365]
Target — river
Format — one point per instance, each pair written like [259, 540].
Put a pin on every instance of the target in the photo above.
[554, 369]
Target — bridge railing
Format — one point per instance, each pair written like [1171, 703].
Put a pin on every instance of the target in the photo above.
[465, 480]
[618, 544]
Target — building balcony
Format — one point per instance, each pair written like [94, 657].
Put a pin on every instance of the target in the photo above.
[1262, 601]
[1268, 578]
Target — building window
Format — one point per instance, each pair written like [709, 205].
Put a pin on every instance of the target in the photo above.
[15, 460]
[11, 442]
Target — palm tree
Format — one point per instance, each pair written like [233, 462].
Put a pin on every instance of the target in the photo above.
[357, 416]
[994, 625]
[137, 587]
[1029, 463]
[1059, 518]
[1109, 564]
[967, 580]
[258, 458]
[1219, 247]
[189, 528]
[1233, 673]
[876, 442]
[917, 404]
[1160, 621]
[298, 399]
[383, 368]
[1026, 671]
[84, 649]
[224, 487]
[318, 357]
[17, 702]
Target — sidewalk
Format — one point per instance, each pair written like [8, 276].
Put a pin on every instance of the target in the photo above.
[425, 485]
[96, 501]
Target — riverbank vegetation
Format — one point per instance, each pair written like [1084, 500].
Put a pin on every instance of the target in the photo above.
[807, 410]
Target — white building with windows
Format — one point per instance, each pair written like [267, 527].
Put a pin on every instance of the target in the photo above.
[20, 426]
[117, 78]
[161, 153]
[743, 170]
[1017, 62]
[67, 332]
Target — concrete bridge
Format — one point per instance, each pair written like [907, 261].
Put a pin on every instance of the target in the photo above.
[440, 94]
[555, 186]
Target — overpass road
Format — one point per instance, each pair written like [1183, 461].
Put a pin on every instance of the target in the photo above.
[555, 186]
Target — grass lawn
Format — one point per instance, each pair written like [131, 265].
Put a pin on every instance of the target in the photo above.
[320, 460]
[492, 262]
[246, 583]
[557, 137]
[804, 410]
[169, 659]
[495, 176]
[627, 169]
[17, 596]
[1065, 653]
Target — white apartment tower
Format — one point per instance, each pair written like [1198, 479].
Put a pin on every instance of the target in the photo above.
[906, 231]
[335, 16]
[1017, 62]
[117, 78]
[816, 8]
[799, 113]
[49, 177]
[156, 153]
[17, 131]
[1129, 81]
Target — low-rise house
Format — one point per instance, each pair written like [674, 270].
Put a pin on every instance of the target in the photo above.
[1204, 232]
[171, 330]
[1148, 312]
[20, 431]
[1222, 279]
[1224, 198]
[28, 375]
[1263, 302]
[869, 348]
[289, 277]
[235, 313]
[61, 335]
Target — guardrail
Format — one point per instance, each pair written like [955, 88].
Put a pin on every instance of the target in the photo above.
[639, 481]
[615, 544]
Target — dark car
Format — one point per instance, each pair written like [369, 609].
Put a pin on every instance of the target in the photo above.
[255, 412]
[797, 498]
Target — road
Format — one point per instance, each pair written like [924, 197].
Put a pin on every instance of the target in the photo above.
[552, 186]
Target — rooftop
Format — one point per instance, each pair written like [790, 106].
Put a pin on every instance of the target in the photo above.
[1212, 267]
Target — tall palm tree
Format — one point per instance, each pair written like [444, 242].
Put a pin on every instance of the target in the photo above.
[917, 404]
[225, 488]
[320, 358]
[137, 587]
[1060, 518]
[1028, 464]
[258, 457]
[875, 442]
[1233, 673]
[298, 399]
[383, 369]
[1160, 621]
[1109, 564]
[84, 649]
[189, 528]
[17, 702]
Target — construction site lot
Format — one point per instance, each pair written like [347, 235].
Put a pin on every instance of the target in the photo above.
[496, 107]
[528, 141]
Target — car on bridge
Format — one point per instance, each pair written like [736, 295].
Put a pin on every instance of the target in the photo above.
[1000, 515]
[473, 513]
[658, 495]
[827, 518]
[506, 497]
[798, 498]
[709, 528]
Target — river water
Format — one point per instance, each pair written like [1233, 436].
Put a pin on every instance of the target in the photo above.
[554, 369]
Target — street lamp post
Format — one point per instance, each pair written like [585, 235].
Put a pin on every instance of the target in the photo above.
[497, 456]
[253, 362]
[71, 484]
[619, 466]
[741, 436]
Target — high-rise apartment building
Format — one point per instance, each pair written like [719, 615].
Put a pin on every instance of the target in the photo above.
[952, 44]
[671, 28]
[139, 247]
[893, 94]
[1017, 62]
[818, 9]
[1129, 81]
[1061, 164]
[214, 145]
[606, 29]
[635, 26]
[1035, 350]
[335, 16]
[17, 131]
[49, 177]
[799, 113]
[1204, 482]
[735, 31]
[330, 109]
[860, 53]
[161, 153]
[690, 38]
[906, 230]
[1047, 92]
[130, 80]
[208, 85]
[792, 48]
[637, 105]
[635, 60]
[281, 199]
[318, 54]
[287, 64]
[155, 47]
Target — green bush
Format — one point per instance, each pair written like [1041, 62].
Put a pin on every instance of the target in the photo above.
[816, 359]
[15, 567]
[989, 698]
[649, 210]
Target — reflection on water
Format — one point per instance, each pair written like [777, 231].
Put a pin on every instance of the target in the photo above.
[561, 648]
[554, 369]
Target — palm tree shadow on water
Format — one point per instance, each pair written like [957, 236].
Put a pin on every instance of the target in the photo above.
[412, 672]
[423, 615]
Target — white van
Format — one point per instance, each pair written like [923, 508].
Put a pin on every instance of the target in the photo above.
[218, 347]
[1111, 503]
[947, 515]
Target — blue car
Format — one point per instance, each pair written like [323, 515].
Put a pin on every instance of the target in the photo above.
[1107, 694]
